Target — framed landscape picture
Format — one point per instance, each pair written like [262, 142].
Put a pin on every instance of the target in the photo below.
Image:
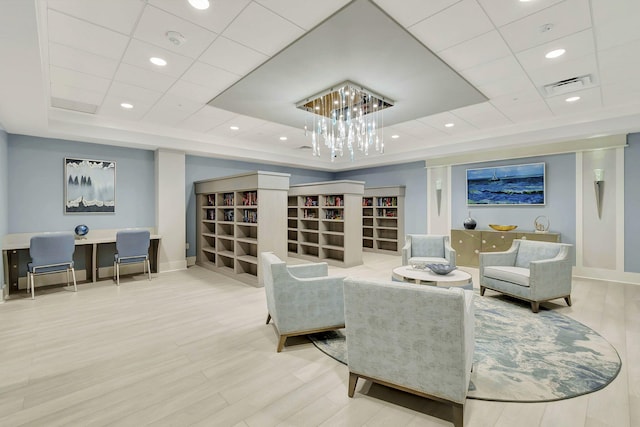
[89, 186]
[507, 185]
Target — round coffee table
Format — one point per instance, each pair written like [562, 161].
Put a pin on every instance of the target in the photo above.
[457, 277]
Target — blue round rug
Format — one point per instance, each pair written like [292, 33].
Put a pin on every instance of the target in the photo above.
[522, 356]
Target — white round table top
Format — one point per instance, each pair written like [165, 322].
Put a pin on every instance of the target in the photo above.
[406, 273]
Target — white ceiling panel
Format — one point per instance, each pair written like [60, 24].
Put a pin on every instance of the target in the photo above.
[155, 23]
[616, 22]
[414, 128]
[585, 65]
[82, 35]
[304, 13]
[206, 118]
[620, 64]
[621, 94]
[138, 53]
[209, 76]
[576, 45]
[144, 78]
[269, 32]
[482, 116]
[76, 94]
[191, 91]
[510, 85]
[84, 62]
[232, 56]
[524, 112]
[485, 48]
[456, 24]
[409, 12]
[133, 94]
[589, 100]
[215, 19]
[565, 18]
[66, 77]
[171, 110]
[438, 121]
[111, 108]
[494, 71]
[118, 15]
[502, 12]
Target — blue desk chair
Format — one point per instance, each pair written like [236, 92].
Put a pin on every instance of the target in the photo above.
[51, 253]
[132, 246]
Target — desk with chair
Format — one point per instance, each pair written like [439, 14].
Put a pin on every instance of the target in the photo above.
[15, 251]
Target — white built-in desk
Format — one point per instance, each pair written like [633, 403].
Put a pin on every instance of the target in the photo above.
[15, 249]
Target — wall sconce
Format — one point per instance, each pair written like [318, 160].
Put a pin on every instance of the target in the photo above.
[599, 187]
[438, 193]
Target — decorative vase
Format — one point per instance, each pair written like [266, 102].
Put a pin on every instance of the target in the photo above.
[470, 223]
[81, 231]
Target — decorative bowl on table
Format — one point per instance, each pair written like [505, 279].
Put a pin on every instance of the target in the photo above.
[418, 265]
[441, 268]
[503, 227]
[81, 231]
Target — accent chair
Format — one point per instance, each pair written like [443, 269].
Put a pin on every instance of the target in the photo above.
[530, 270]
[415, 338]
[301, 299]
[51, 253]
[132, 246]
[428, 249]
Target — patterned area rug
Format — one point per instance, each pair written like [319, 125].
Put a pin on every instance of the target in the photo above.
[524, 357]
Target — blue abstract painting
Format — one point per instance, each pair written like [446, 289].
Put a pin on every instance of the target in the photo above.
[90, 186]
[507, 185]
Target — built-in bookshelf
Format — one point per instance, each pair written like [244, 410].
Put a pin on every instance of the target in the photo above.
[324, 222]
[383, 219]
[238, 217]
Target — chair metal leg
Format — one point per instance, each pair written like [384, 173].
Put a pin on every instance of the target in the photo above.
[33, 286]
[148, 269]
[73, 273]
[118, 273]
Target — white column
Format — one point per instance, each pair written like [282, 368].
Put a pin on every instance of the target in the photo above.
[170, 209]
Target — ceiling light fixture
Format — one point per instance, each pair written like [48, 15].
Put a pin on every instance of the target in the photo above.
[283, 138]
[234, 127]
[346, 117]
[395, 136]
[157, 61]
[199, 4]
[572, 99]
[126, 106]
[449, 125]
[555, 53]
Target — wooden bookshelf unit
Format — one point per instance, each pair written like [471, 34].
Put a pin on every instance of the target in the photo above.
[383, 219]
[324, 222]
[240, 216]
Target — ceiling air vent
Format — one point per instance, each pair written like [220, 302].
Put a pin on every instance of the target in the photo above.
[68, 104]
[567, 85]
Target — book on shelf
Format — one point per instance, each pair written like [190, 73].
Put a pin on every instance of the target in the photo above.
[250, 216]
[333, 201]
[211, 214]
[250, 198]
[227, 199]
[211, 200]
[228, 214]
[388, 201]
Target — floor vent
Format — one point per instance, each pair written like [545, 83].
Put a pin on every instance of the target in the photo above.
[568, 85]
[68, 104]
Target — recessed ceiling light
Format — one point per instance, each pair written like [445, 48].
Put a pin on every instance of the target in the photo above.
[199, 4]
[158, 61]
[395, 136]
[126, 105]
[449, 125]
[283, 138]
[234, 127]
[555, 53]
[572, 99]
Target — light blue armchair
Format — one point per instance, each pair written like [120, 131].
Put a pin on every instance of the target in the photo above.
[532, 271]
[51, 253]
[414, 338]
[301, 299]
[428, 248]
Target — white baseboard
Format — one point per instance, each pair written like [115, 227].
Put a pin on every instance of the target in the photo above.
[172, 266]
[608, 275]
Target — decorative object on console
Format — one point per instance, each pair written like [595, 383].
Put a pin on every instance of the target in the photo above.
[346, 117]
[541, 224]
[599, 187]
[441, 268]
[503, 227]
[470, 223]
[81, 231]
[438, 193]
[507, 185]
[90, 186]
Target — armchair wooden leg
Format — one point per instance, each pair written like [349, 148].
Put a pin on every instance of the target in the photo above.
[535, 306]
[281, 342]
[458, 415]
[268, 318]
[568, 300]
[482, 289]
[353, 380]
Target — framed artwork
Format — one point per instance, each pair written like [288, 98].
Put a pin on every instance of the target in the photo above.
[507, 185]
[89, 186]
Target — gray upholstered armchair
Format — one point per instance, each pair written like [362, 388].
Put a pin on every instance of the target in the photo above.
[301, 299]
[532, 271]
[427, 248]
[414, 338]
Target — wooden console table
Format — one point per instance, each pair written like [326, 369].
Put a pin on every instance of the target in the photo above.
[469, 243]
[15, 247]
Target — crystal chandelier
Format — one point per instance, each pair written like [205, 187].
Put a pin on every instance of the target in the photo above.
[345, 118]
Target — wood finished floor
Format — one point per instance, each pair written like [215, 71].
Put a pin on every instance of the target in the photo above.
[190, 348]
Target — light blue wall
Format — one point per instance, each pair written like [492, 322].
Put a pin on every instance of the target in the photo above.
[200, 168]
[413, 176]
[4, 188]
[632, 204]
[560, 206]
[36, 189]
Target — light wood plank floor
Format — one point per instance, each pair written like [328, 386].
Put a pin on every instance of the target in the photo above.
[191, 348]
